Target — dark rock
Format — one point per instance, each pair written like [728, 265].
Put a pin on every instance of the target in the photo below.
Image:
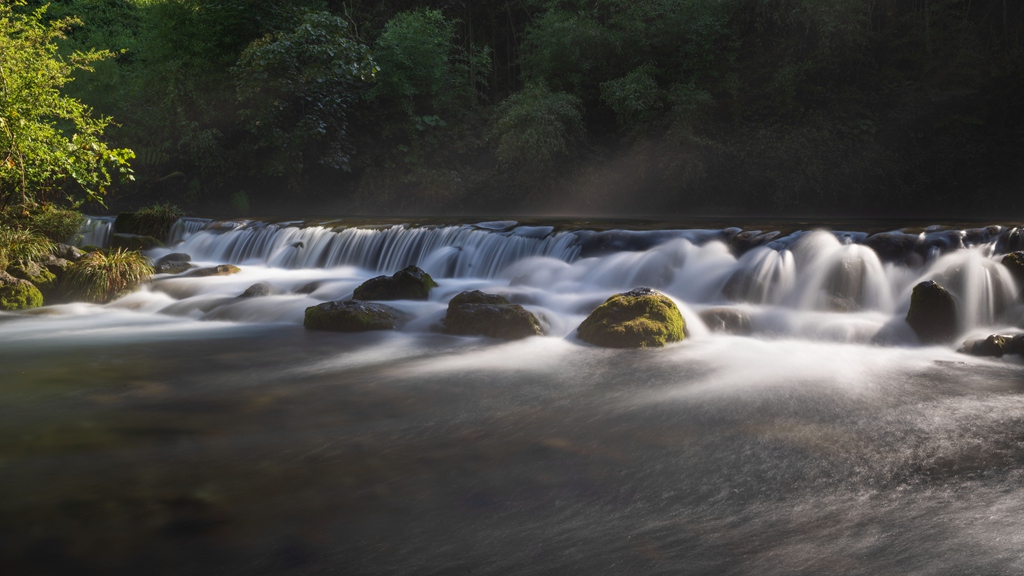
[1016, 345]
[933, 313]
[310, 287]
[408, 284]
[221, 270]
[257, 290]
[639, 318]
[134, 242]
[351, 316]
[1014, 262]
[475, 313]
[726, 320]
[37, 274]
[18, 294]
[68, 252]
[895, 246]
[995, 345]
[174, 263]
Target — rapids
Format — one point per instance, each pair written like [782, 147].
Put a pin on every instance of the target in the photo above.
[184, 430]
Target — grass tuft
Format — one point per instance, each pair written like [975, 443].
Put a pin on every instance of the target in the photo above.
[102, 276]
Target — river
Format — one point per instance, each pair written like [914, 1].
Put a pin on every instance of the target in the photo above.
[185, 430]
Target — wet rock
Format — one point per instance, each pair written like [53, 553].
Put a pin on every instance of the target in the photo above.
[68, 252]
[933, 313]
[728, 320]
[221, 270]
[1014, 262]
[411, 283]
[895, 246]
[1016, 345]
[36, 273]
[995, 345]
[174, 263]
[257, 290]
[640, 318]
[475, 313]
[351, 316]
[18, 294]
[134, 242]
[310, 287]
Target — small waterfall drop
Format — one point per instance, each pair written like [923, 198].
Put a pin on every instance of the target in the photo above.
[95, 231]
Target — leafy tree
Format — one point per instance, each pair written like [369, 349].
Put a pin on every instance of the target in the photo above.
[635, 97]
[298, 89]
[49, 143]
[535, 126]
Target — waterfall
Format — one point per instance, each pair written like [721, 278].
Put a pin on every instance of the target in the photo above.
[95, 231]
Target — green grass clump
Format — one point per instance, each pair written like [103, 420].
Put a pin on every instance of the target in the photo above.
[155, 221]
[101, 276]
[23, 245]
[57, 224]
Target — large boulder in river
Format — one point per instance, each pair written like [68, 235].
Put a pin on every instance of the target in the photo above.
[173, 263]
[475, 313]
[728, 320]
[18, 294]
[351, 316]
[933, 313]
[995, 345]
[134, 242]
[408, 284]
[640, 318]
[1014, 262]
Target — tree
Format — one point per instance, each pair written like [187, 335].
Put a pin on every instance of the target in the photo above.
[50, 143]
[297, 90]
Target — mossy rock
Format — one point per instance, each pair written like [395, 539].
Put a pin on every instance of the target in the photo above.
[1014, 262]
[147, 222]
[640, 318]
[35, 273]
[995, 345]
[475, 313]
[411, 283]
[221, 270]
[351, 316]
[933, 313]
[728, 320]
[134, 242]
[69, 252]
[18, 294]
[258, 290]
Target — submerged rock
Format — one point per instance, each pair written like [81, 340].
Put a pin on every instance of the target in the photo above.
[221, 270]
[351, 316]
[134, 242]
[639, 318]
[933, 313]
[257, 290]
[18, 294]
[174, 263]
[728, 320]
[475, 313]
[411, 283]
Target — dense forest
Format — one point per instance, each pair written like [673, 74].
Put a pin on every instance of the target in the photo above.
[616, 107]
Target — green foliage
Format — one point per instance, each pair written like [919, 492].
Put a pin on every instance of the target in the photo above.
[50, 144]
[101, 276]
[22, 245]
[57, 224]
[635, 97]
[566, 49]
[155, 220]
[299, 88]
[534, 127]
[422, 69]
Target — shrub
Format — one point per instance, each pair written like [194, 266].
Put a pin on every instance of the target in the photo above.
[101, 276]
[18, 245]
[155, 221]
[535, 126]
[634, 97]
[56, 224]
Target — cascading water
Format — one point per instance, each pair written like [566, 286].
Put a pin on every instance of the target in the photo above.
[95, 231]
[185, 429]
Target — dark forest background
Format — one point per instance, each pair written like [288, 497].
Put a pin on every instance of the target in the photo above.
[613, 107]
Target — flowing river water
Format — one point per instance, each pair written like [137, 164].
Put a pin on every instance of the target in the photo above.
[184, 430]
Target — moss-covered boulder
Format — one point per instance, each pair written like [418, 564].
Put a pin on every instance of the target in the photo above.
[220, 270]
[1014, 262]
[174, 263]
[134, 242]
[352, 316]
[18, 294]
[411, 283]
[728, 320]
[475, 313]
[933, 313]
[35, 273]
[640, 318]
